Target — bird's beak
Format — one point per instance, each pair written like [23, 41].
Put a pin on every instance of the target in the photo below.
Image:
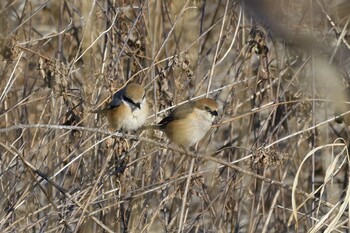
[214, 113]
[138, 105]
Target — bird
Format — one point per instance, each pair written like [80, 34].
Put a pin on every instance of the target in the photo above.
[128, 109]
[188, 124]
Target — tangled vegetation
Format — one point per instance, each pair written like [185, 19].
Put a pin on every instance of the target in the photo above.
[276, 159]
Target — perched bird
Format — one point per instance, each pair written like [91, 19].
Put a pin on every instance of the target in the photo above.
[128, 109]
[188, 123]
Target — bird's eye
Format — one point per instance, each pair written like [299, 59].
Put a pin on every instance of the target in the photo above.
[207, 108]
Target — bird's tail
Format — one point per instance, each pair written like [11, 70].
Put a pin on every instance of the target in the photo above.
[149, 127]
[100, 111]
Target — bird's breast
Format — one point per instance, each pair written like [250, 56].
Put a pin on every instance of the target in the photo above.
[187, 131]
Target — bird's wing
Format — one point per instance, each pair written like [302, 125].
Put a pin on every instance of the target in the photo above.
[178, 113]
[116, 100]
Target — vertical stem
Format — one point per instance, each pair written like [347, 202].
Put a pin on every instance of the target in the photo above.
[313, 111]
[217, 50]
[188, 181]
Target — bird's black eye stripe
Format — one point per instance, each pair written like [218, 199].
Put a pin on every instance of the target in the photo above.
[132, 103]
[129, 100]
[214, 113]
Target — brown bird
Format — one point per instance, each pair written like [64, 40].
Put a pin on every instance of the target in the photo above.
[187, 124]
[128, 109]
